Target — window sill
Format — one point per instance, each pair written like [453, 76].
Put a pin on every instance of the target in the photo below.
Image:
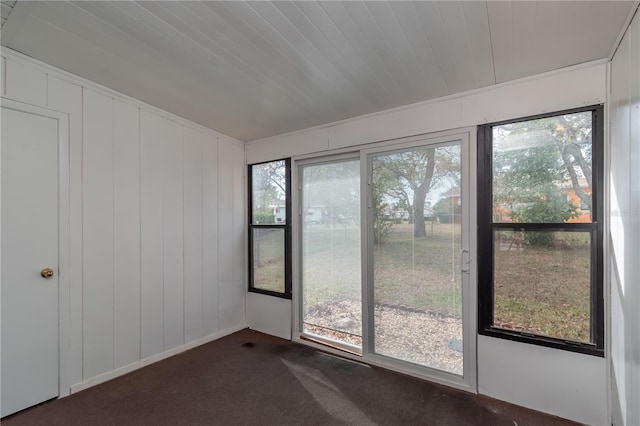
[522, 337]
[270, 293]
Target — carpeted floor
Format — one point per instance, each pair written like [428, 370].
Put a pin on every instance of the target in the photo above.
[249, 378]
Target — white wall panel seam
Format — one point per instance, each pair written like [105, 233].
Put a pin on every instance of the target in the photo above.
[162, 250]
[184, 249]
[202, 208]
[113, 235]
[202, 258]
[4, 76]
[82, 238]
[202, 281]
[218, 230]
[140, 230]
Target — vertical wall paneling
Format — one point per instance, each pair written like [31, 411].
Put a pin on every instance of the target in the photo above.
[239, 225]
[625, 227]
[127, 234]
[97, 222]
[173, 238]
[210, 233]
[3, 73]
[225, 234]
[633, 298]
[144, 221]
[153, 144]
[67, 97]
[25, 83]
[193, 284]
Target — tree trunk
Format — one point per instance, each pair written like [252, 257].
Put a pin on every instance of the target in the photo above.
[420, 195]
[566, 152]
[419, 230]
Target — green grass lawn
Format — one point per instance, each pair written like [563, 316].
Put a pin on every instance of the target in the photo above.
[539, 290]
[420, 273]
[268, 259]
[544, 290]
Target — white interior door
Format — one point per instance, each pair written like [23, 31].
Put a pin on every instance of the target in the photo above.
[29, 230]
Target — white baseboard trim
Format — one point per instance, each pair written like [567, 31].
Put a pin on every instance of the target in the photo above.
[152, 359]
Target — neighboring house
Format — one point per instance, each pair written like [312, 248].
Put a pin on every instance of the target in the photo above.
[584, 209]
[313, 214]
[279, 212]
[501, 210]
[449, 208]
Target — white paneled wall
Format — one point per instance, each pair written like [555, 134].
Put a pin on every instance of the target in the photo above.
[126, 238]
[213, 213]
[193, 250]
[231, 268]
[157, 225]
[65, 96]
[97, 233]
[173, 223]
[625, 227]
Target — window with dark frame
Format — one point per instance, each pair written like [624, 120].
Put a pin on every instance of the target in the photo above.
[270, 228]
[540, 212]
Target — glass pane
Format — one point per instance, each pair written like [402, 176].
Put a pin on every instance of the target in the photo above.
[268, 259]
[542, 170]
[542, 283]
[331, 284]
[269, 193]
[416, 206]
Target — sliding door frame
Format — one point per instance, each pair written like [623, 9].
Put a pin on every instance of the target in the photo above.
[469, 287]
[297, 311]
[468, 146]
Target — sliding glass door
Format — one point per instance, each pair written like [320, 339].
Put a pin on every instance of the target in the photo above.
[330, 245]
[415, 251]
[383, 245]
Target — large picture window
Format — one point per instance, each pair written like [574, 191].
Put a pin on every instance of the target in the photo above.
[540, 230]
[270, 228]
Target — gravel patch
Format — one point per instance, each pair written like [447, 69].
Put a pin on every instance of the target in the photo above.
[425, 338]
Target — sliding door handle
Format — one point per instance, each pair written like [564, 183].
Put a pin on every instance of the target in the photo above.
[465, 261]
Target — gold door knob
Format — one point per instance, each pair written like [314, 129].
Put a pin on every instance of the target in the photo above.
[46, 273]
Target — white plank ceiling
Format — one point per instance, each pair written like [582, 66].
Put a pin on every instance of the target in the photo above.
[257, 69]
[6, 6]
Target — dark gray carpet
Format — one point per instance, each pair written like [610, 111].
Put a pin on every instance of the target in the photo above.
[249, 378]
